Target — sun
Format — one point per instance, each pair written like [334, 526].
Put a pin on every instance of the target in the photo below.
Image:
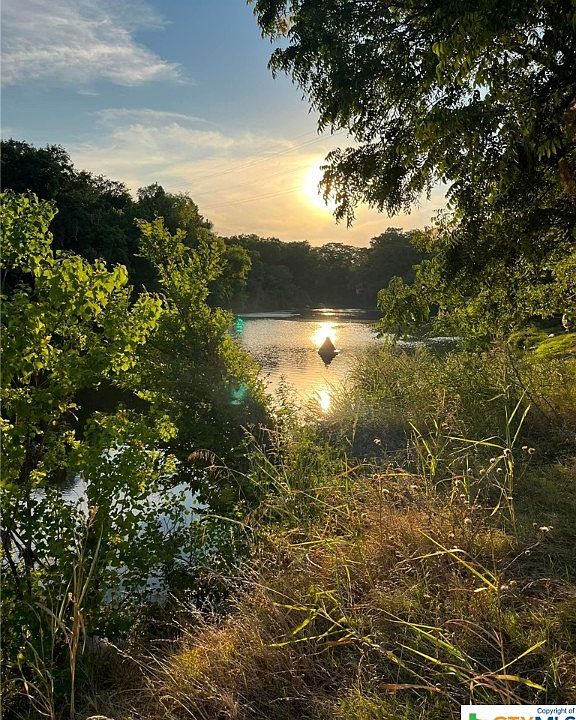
[310, 188]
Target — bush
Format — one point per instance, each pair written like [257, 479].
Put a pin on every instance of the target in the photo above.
[391, 394]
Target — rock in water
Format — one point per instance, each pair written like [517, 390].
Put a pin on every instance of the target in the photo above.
[327, 347]
[327, 351]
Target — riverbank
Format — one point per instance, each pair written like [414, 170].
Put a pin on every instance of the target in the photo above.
[412, 552]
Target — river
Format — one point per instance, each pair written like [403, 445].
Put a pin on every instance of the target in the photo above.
[286, 346]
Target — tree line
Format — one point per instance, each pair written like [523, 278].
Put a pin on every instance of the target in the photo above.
[97, 217]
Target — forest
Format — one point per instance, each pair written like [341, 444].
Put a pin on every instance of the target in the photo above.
[178, 543]
[96, 219]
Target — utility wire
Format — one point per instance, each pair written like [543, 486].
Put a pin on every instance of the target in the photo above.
[293, 171]
[277, 193]
[256, 162]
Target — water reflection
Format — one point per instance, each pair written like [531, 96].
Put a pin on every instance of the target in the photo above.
[323, 398]
[323, 331]
[287, 348]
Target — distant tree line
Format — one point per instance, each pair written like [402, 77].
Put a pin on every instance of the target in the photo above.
[295, 274]
[97, 219]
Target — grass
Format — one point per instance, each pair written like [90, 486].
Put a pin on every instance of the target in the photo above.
[397, 602]
[388, 579]
[461, 393]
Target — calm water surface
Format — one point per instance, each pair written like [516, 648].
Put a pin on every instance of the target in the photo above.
[286, 346]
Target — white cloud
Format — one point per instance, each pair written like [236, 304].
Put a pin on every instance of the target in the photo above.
[141, 145]
[111, 116]
[243, 182]
[79, 42]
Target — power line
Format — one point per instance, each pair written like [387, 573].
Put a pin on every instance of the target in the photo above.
[268, 175]
[256, 162]
[252, 199]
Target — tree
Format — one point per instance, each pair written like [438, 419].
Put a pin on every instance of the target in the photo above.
[94, 218]
[336, 278]
[178, 210]
[69, 327]
[180, 214]
[392, 253]
[479, 96]
[280, 274]
[236, 266]
[192, 370]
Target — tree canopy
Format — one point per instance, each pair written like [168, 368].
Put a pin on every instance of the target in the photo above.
[480, 96]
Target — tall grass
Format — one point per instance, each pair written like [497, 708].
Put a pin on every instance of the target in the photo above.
[461, 393]
[56, 646]
[413, 552]
[398, 601]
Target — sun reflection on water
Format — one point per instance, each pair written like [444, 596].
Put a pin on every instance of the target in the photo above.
[323, 398]
[324, 330]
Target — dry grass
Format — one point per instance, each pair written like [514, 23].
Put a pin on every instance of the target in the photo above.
[395, 592]
[407, 603]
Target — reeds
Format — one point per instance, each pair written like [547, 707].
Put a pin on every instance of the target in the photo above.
[60, 625]
[396, 579]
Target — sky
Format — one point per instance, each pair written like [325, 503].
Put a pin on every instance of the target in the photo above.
[177, 92]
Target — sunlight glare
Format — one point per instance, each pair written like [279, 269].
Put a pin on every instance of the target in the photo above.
[311, 191]
[323, 398]
[324, 330]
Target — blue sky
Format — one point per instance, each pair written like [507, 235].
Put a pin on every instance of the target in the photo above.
[177, 92]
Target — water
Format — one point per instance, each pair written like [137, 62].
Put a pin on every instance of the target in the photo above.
[286, 346]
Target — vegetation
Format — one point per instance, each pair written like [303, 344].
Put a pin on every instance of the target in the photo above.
[71, 330]
[293, 275]
[478, 96]
[394, 584]
[410, 552]
[407, 552]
